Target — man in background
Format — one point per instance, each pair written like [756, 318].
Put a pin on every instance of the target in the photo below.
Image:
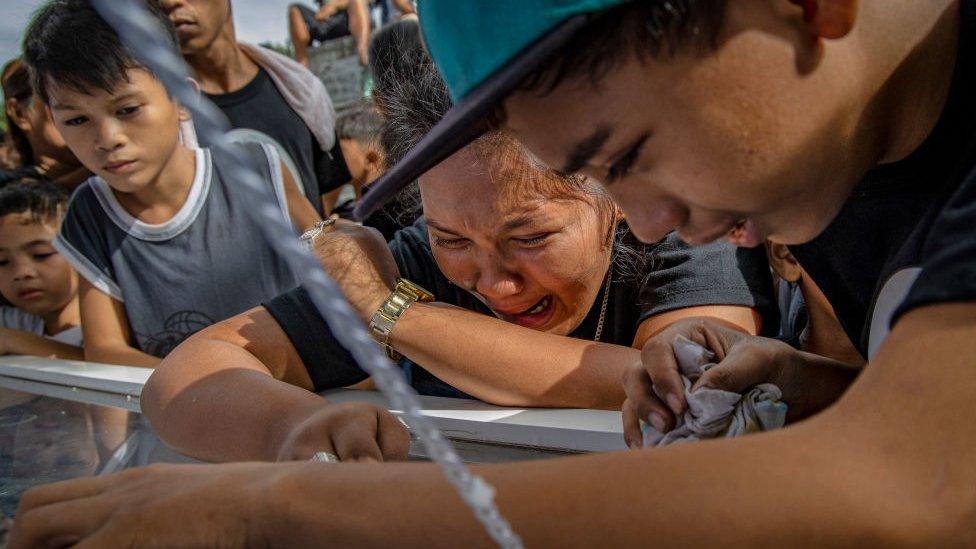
[333, 19]
[265, 95]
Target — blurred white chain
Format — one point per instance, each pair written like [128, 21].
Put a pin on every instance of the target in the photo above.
[143, 36]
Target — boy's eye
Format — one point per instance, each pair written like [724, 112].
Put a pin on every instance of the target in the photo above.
[76, 121]
[621, 168]
[450, 243]
[4, 262]
[125, 111]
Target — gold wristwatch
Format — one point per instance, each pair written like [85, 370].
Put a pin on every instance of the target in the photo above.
[381, 324]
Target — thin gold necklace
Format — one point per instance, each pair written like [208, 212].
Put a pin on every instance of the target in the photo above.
[603, 306]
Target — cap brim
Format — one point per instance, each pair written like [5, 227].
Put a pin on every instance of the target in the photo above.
[465, 121]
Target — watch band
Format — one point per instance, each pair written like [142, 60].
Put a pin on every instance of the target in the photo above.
[404, 295]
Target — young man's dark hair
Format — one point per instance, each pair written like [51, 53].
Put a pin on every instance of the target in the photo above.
[647, 29]
[69, 42]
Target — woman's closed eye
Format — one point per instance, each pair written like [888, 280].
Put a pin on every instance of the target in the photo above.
[45, 255]
[450, 243]
[534, 240]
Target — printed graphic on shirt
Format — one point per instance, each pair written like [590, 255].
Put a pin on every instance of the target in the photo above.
[176, 328]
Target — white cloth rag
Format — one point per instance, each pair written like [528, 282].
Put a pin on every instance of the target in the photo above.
[302, 90]
[713, 413]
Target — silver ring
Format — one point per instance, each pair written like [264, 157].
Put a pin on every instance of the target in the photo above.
[325, 457]
[310, 234]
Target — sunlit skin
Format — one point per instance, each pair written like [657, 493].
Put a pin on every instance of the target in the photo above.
[33, 275]
[699, 143]
[515, 251]
[130, 138]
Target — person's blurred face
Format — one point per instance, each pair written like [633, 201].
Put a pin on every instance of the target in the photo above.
[33, 118]
[739, 143]
[43, 127]
[33, 275]
[197, 22]
[537, 261]
[126, 136]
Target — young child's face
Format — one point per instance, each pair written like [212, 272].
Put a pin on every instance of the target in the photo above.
[33, 276]
[126, 136]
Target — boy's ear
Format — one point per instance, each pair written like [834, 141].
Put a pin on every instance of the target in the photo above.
[830, 19]
[184, 112]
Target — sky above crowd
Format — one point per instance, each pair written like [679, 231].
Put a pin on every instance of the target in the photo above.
[256, 20]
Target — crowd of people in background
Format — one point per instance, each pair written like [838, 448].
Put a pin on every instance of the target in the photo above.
[534, 279]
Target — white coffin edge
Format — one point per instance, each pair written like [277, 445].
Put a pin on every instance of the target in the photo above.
[562, 430]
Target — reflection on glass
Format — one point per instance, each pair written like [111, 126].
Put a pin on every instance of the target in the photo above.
[45, 439]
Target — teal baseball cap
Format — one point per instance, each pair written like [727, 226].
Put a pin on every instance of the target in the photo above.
[484, 49]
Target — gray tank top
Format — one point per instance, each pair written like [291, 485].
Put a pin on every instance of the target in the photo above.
[208, 263]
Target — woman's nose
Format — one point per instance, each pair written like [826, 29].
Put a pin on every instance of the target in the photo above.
[497, 280]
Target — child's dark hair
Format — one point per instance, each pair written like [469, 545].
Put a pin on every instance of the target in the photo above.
[362, 123]
[42, 200]
[68, 42]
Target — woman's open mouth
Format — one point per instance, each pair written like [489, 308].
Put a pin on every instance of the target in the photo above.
[533, 317]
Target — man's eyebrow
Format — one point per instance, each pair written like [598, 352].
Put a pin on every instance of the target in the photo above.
[439, 227]
[585, 150]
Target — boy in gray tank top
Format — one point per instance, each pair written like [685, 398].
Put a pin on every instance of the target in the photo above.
[163, 242]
